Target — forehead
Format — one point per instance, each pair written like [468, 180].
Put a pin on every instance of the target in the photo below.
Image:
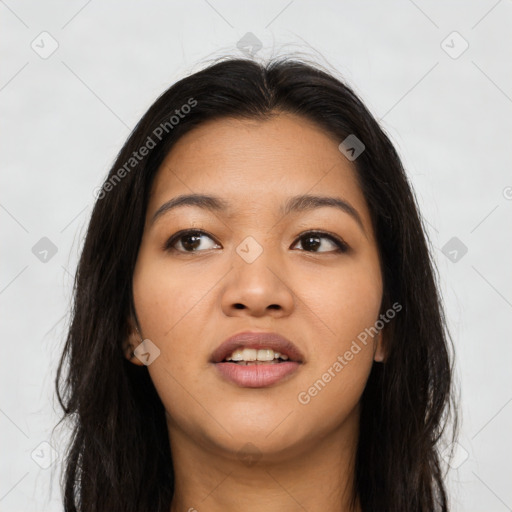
[256, 164]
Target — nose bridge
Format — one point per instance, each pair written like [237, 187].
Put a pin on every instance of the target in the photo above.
[258, 281]
[254, 258]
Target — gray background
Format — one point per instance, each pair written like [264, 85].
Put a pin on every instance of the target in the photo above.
[67, 113]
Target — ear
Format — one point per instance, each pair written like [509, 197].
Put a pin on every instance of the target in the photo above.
[379, 354]
[131, 342]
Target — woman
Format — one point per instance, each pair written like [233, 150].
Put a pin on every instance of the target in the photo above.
[256, 321]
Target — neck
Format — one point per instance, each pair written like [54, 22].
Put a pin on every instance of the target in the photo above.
[317, 476]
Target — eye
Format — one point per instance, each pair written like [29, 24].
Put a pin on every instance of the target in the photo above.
[312, 240]
[190, 241]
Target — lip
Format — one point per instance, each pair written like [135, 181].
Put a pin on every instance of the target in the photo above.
[257, 375]
[252, 339]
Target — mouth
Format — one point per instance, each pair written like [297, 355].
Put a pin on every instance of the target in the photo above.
[249, 356]
[256, 359]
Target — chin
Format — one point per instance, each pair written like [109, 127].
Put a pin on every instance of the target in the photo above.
[272, 431]
[254, 444]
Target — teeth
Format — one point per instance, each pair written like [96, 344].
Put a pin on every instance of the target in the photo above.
[265, 354]
[237, 355]
[252, 354]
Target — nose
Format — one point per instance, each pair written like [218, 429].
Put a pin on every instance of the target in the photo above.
[258, 288]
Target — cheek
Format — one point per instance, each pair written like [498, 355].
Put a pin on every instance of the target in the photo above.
[346, 304]
[167, 296]
[170, 304]
[346, 301]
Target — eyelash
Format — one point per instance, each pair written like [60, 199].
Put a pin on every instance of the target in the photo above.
[342, 246]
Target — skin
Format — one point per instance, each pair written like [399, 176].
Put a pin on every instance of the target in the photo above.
[186, 304]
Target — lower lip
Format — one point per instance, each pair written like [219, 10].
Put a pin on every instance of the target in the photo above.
[256, 375]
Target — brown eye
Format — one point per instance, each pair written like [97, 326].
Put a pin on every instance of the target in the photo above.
[313, 241]
[190, 241]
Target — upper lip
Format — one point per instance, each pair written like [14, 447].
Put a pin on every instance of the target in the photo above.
[251, 339]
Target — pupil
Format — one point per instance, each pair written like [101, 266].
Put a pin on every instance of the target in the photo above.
[315, 243]
[194, 244]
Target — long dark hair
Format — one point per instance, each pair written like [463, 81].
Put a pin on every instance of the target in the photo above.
[119, 456]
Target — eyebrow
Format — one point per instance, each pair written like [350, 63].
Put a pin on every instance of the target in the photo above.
[294, 204]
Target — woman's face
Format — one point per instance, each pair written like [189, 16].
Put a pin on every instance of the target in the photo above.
[260, 269]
